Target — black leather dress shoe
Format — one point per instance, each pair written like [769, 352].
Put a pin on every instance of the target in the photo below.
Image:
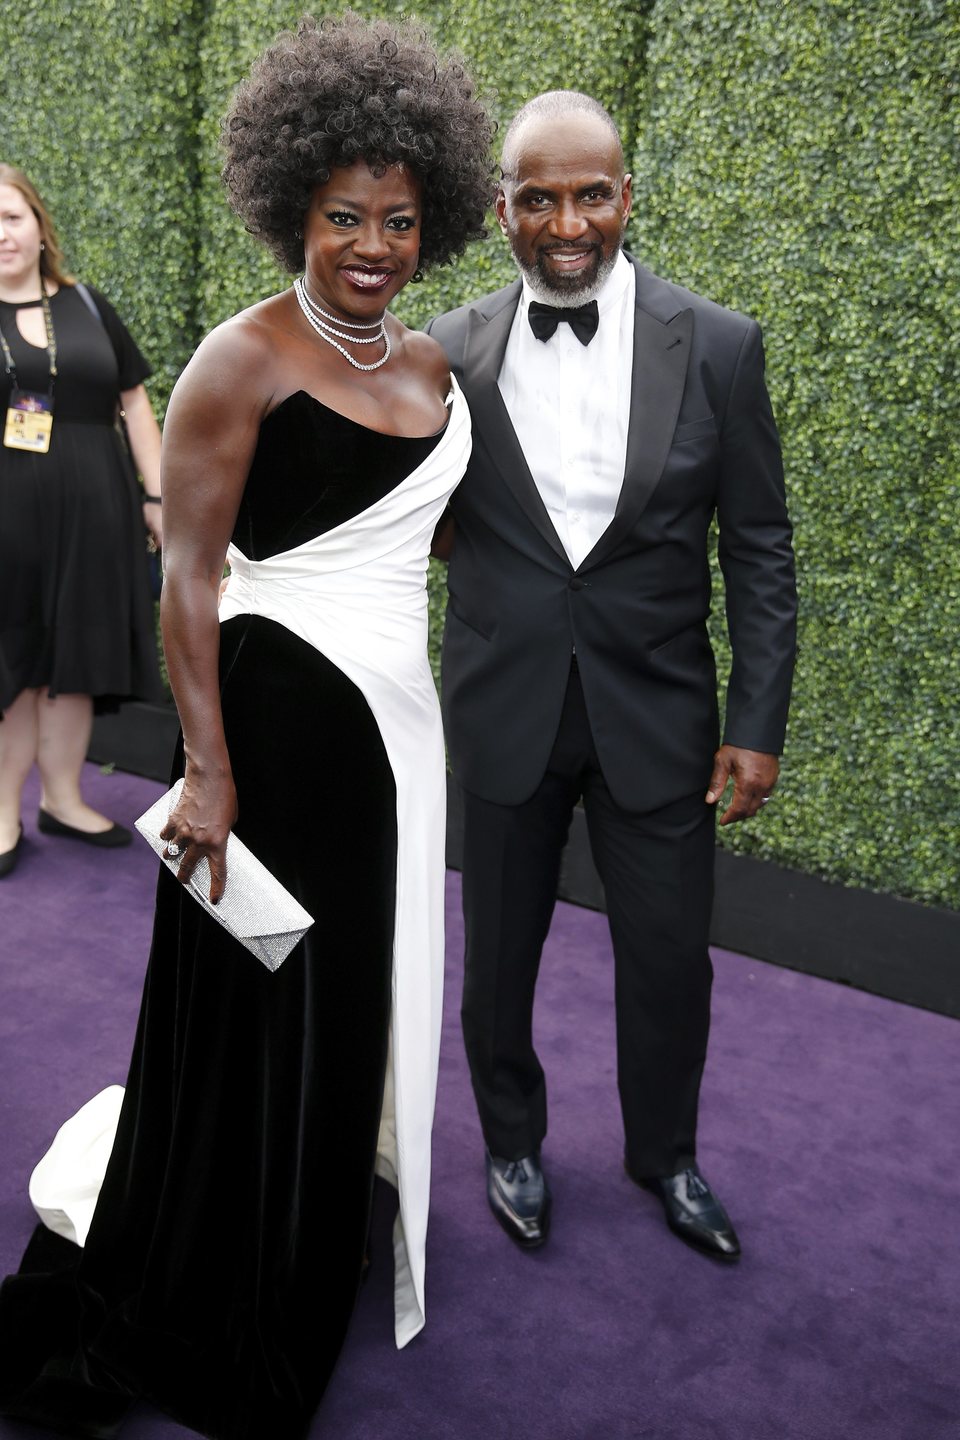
[694, 1212]
[110, 839]
[9, 858]
[519, 1197]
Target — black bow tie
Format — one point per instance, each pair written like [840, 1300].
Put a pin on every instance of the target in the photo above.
[583, 320]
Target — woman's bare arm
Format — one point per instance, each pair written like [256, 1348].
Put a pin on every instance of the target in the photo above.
[209, 439]
[143, 433]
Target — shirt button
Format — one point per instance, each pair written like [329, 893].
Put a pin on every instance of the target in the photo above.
[575, 518]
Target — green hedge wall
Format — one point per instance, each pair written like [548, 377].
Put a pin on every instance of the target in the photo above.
[801, 162]
[99, 101]
[798, 161]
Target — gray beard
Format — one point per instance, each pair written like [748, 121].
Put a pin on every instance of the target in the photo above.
[566, 296]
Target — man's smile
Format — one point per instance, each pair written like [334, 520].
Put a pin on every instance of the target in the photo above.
[570, 257]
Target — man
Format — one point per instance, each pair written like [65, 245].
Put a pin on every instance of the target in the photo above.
[614, 414]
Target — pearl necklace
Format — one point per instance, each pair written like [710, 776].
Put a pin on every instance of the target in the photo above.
[327, 331]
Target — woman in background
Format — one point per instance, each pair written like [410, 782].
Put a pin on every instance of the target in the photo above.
[76, 617]
[312, 441]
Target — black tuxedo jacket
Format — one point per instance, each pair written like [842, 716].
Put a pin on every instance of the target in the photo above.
[701, 441]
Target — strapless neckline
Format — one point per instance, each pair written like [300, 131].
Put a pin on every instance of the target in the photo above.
[349, 420]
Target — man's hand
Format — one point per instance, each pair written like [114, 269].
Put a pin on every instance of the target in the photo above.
[754, 774]
[441, 546]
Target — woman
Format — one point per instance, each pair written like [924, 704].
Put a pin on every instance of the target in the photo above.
[76, 619]
[314, 441]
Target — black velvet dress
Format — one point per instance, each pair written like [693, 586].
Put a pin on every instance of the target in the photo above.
[226, 1250]
[76, 613]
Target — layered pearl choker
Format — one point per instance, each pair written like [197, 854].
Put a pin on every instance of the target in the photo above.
[326, 327]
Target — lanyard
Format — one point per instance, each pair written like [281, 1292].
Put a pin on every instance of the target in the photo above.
[51, 345]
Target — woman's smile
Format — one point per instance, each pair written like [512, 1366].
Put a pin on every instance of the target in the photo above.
[367, 277]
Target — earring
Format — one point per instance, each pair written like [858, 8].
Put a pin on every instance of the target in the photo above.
[42, 247]
[416, 277]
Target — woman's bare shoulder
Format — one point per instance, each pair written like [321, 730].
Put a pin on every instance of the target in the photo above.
[240, 353]
[258, 329]
[430, 358]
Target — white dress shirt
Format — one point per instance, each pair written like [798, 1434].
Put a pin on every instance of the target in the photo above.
[570, 407]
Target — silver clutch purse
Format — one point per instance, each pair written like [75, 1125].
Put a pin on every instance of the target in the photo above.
[254, 908]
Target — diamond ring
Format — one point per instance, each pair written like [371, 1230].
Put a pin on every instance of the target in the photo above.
[173, 849]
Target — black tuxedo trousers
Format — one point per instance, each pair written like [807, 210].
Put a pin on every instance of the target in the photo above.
[657, 873]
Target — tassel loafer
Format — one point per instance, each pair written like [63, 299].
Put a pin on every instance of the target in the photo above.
[519, 1197]
[110, 839]
[693, 1211]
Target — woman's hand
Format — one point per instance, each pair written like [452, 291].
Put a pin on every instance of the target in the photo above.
[153, 519]
[200, 824]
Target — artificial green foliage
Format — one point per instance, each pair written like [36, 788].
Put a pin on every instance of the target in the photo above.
[801, 162]
[797, 159]
[99, 101]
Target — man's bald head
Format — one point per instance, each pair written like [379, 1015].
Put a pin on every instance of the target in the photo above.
[553, 105]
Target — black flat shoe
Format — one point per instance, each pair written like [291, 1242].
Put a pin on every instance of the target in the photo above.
[110, 839]
[9, 858]
[519, 1197]
[693, 1211]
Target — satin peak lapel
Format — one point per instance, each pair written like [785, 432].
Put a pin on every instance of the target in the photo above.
[661, 354]
[485, 346]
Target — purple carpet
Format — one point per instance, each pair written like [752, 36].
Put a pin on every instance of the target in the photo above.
[830, 1127]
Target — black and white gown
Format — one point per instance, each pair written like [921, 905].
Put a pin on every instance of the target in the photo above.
[225, 1251]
